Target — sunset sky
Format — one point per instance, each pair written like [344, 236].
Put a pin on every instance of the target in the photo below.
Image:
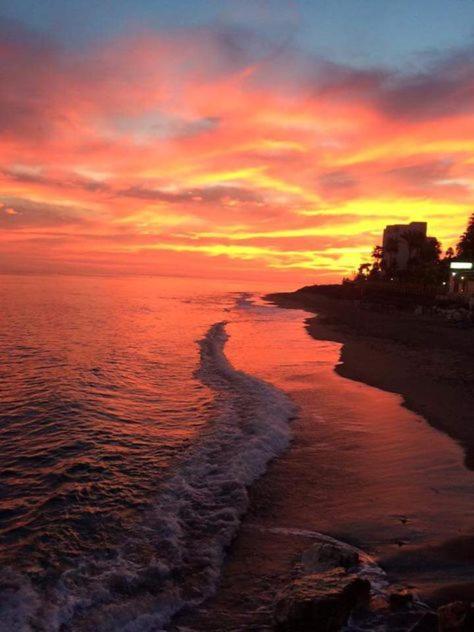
[233, 139]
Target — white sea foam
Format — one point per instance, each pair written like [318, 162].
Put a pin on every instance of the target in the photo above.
[173, 558]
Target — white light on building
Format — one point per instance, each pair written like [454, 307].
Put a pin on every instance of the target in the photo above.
[461, 265]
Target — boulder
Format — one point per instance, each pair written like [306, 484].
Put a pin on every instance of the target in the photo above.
[457, 616]
[427, 623]
[324, 556]
[320, 601]
[399, 597]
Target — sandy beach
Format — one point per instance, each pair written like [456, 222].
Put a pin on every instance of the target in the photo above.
[428, 362]
[373, 461]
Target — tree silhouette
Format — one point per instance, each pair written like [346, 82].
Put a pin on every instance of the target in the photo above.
[449, 253]
[430, 250]
[377, 266]
[364, 271]
[377, 253]
[465, 247]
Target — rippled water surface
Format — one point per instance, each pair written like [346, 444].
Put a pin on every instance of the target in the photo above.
[131, 430]
[121, 440]
[98, 396]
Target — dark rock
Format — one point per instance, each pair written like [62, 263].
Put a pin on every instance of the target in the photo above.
[399, 597]
[324, 556]
[427, 623]
[457, 616]
[320, 601]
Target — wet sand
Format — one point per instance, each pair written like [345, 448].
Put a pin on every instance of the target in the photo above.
[362, 468]
[428, 362]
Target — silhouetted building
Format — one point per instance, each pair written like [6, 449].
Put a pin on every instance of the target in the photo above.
[401, 242]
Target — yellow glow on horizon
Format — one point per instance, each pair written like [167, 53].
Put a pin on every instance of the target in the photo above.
[402, 207]
[194, 161]
[403, 147]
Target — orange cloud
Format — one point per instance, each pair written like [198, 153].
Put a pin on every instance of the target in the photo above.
[166, 153]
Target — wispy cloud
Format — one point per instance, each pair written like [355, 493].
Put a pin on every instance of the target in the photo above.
[174, 150]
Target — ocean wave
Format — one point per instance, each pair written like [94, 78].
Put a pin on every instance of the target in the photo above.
[173, 558]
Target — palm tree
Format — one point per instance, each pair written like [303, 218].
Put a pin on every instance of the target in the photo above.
[377, 253]
[449, 254]
[465, 247]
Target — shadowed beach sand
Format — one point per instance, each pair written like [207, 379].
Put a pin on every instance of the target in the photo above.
[428, 362]
[364, 466]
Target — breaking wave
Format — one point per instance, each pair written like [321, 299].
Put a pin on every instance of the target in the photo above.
[173, 558]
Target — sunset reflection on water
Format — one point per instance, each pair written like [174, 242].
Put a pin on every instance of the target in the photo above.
[99, 398]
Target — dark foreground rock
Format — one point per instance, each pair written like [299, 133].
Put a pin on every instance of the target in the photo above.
[427, 623]
[456, 617]
[400, 597]
[331, 585]
[326, 555]
[320, 601]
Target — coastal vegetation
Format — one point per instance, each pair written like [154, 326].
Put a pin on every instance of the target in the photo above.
[427, 265]
[465, 247]
[424, 284]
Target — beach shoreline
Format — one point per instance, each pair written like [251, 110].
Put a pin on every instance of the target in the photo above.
[427, 362]
[297, 497]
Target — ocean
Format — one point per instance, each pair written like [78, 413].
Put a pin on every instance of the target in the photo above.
[127, 442]
[137, 416]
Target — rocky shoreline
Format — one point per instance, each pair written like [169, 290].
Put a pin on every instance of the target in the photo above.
[333, 590]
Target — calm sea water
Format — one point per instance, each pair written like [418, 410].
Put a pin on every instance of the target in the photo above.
[127, 441]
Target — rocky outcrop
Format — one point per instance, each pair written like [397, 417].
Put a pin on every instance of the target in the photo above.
[427, 623]
[332, 583]
[457, 616]
[326, 555]
[325, 591]
[320, 601]
[399, 597]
